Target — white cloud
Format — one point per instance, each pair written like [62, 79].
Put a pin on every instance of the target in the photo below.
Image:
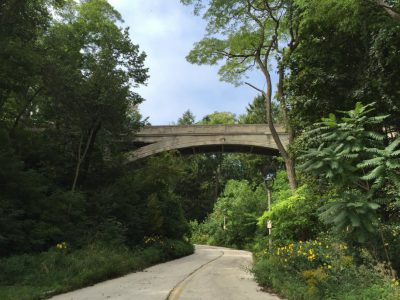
[166, 31]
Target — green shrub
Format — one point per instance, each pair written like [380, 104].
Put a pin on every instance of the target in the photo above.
[233, 223]
[294, 215]
[61, 269]
[322, 269]
[199, 233]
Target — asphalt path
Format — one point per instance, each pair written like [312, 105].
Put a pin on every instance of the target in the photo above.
[211, 273]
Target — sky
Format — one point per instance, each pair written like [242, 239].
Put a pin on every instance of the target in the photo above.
[166, 30]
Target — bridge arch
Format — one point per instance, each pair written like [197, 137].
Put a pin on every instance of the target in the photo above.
[191, 139]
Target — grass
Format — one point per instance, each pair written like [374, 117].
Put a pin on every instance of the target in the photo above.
[31, 277]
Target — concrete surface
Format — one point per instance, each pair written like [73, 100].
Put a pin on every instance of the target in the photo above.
[248, 138]
[212, 273]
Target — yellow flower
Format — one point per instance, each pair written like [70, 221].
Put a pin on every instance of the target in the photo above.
[62, 245]
[311, 257]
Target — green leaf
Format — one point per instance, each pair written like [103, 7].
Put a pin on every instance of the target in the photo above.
[341, 217]
[375, 173]
[373, 206]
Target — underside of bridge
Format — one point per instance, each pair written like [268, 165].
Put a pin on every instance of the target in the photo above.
[229, 149]
[219, 148]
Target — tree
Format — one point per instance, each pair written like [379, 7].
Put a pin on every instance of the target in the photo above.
[248, 34]
[145, 201]
[22, 56]
[92, 66]
[187, 118]
[222, 118]
[355, 160]
[255, 112]
[233, 221]
[345, 54]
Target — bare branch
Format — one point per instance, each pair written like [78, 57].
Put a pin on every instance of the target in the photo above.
[256, 88]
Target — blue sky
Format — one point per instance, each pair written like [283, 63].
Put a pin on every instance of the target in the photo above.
[166, 30]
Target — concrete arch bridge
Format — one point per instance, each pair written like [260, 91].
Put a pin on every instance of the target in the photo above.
[192, 139]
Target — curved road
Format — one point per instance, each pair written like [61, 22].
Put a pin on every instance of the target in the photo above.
[211, 273]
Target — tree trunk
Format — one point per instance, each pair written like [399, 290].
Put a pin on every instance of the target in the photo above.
[291, 173]
[24, 109]
[86, 164]
[81, 157]
[78, 166]
[282, 102]
[289, 162]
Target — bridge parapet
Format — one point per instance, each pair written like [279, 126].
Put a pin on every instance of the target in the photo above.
[253, 129]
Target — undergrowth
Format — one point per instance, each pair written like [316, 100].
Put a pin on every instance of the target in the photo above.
[39, 276]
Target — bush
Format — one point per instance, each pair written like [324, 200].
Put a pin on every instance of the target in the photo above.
[322, 269]
[60, 269]
[294, 215]
[199, 233]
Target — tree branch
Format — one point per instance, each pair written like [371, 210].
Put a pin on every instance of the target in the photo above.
[395, 14]
[269, 9]
[81, 156]
[256, 88]
[27, 104]
[253, 17]
[230, 55]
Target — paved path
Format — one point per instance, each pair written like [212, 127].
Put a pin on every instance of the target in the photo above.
[212, 273]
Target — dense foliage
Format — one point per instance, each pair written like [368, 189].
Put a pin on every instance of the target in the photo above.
[68, 79]
[233, 221]
[60, 269]
[337, 234]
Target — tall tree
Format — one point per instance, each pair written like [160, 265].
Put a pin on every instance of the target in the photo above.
[221, 118]
[93, 65]
[22, 26]
[187, 118]
[249, 34]
[346, 53]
